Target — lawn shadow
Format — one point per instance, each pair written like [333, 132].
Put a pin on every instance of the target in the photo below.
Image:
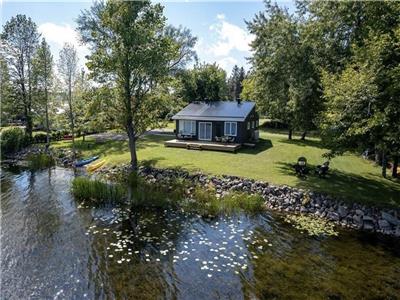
[261, 145]
[349, 187]
[304, 143]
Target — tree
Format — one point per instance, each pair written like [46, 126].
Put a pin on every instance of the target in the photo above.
[20, 40]
[43, 75]
[285, 80]
[205, 82]
[362, 94]
[8, 109]
[67, 68]
[235, 82]
[131, 48]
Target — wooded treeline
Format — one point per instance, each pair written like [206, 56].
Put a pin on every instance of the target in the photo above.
[332, 66]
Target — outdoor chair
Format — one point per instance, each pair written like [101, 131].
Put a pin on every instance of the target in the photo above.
[218, 139]
[300, 167]
[323, 169]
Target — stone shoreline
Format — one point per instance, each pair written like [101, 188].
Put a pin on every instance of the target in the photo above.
[284, 199]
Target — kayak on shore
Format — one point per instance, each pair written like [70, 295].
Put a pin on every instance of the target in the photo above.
[94, 167]
[81, 163]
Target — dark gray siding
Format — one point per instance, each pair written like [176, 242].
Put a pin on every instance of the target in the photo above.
[243, 134]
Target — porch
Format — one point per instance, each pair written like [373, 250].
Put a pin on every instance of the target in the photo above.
[202, 145]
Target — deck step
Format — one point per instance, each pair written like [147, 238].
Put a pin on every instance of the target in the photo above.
[193, 147]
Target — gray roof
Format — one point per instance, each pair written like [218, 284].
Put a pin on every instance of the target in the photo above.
[216, 111]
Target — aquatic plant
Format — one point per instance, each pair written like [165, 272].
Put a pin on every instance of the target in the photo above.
[206, 202]
[160, 194]
[40, 161]
[313, 226]
[97, 192]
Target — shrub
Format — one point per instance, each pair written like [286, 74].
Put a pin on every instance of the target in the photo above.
[13, 139]
[97, 192]
[40, 161]
[40, 138]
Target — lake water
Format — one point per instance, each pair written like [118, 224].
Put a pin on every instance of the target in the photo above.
[51, 248]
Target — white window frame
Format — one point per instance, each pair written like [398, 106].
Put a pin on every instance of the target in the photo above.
[229, 124]
[248, 125]
[192, 127]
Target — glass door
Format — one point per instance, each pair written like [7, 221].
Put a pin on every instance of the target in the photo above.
[205, 131]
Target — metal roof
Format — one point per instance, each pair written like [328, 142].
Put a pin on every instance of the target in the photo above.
[216, 111]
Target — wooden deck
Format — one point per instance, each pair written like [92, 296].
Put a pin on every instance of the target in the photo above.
[202, 145]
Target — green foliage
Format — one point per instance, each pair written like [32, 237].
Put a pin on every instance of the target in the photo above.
[40, 161]
[134, 50]
[205, 82]
[163, 194]
[12, 140]
[235, 82]
[40, 138]
[285, 82]
[96, 192]
[206, 202]
[20, 39]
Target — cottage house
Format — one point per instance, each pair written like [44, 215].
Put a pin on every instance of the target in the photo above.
[221, 121]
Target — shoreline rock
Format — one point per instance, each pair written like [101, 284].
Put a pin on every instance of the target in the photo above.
[284, 199]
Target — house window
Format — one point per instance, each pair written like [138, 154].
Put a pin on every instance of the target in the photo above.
[248, 125]
[257, 123]
[230, 128]
[253, 124]
[187, 127]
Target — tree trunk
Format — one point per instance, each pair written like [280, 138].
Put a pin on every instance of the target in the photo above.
[29, 123]
[395, 165]
[71, 117]
[132, 145]
[303, 136]
[377, 157]
[383, 164]
[290, 134]
[47, 122]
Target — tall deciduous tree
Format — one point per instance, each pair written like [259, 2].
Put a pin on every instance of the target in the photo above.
[205, 82]
[43, 76]
[132, 49]
[285, 79]
[68, 70]
[20, 39]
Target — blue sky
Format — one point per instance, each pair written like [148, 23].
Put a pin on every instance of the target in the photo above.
[220, 26]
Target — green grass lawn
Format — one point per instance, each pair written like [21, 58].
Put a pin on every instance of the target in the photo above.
[352, 178]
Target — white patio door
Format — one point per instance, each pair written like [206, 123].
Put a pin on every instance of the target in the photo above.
[205, 131]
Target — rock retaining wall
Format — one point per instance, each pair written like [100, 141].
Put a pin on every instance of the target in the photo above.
[287, 199]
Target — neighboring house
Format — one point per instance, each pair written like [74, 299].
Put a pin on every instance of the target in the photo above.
[221, 121]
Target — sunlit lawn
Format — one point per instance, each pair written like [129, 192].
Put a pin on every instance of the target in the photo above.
[352, 177]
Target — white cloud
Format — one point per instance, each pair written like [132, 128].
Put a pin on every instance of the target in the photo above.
[230, 37]
[58, 35]
[227, 63]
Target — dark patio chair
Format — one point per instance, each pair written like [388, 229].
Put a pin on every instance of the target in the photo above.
[300, 167]
[322, 170]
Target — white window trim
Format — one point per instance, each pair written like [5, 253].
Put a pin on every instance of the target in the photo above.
[248, 125]
[192, 127]
[230, 128]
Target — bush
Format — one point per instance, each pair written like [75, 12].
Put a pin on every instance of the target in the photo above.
[40, 161]
[97, 192]
[56, 136]
[40, 138]
[13, 139]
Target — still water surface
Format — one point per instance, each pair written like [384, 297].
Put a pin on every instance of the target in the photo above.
[51, 248]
